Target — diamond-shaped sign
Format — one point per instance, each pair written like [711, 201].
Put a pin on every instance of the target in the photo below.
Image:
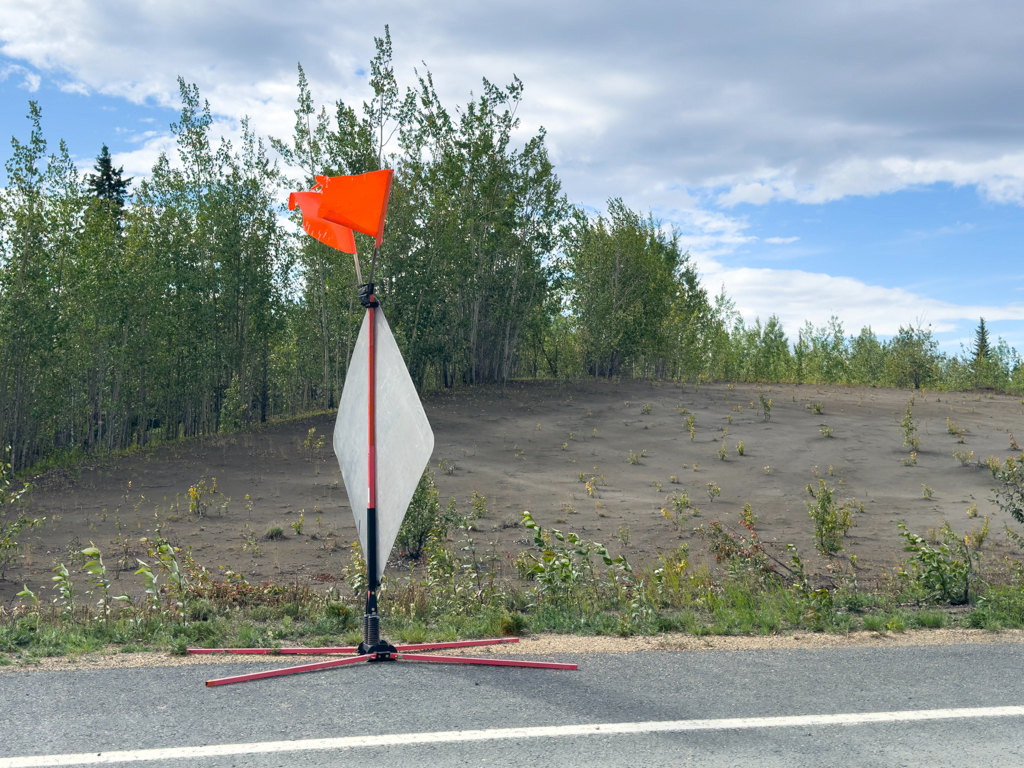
[404, 438]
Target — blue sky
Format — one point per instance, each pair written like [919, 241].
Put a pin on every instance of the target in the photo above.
[864, 160]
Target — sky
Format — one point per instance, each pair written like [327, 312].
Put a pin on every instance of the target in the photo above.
[859, 159]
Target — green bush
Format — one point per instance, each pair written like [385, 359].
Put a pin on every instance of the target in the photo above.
[420, 517]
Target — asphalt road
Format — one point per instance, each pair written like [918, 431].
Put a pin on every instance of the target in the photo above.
[100, 711]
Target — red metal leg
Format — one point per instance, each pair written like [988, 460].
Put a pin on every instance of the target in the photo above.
[457, 644]
[353, 649]
[287, 670]
[274, 651]
[489, 662]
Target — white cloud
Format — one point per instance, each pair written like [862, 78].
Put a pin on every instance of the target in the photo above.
[30, 80]
[797, 296]
[764, 101]
[780, 240]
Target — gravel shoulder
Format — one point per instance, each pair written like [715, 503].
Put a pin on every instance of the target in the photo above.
[552, 645]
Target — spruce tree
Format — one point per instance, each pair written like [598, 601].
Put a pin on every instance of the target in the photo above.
[981, 350]
[107, 183]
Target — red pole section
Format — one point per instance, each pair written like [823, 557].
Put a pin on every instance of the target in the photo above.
[274, 651]
[488, 662]
[286, 671]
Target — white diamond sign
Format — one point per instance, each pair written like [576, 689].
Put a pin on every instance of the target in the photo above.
[404, 439]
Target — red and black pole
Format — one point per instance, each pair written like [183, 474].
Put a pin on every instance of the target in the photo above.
[372, 644]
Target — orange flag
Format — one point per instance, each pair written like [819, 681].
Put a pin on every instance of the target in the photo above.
[358, 202]
[327, 232]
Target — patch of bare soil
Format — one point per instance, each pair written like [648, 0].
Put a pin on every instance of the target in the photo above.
[526, 449]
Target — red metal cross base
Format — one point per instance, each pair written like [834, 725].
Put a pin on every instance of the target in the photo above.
[401, 653]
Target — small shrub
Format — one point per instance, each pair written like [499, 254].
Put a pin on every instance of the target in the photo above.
[972, 511]
[976, 538]
[634, 458]
[964, 457]
[274, 533]
[420, 517]
[713, 490]
[943, 570]
[994, 465]
[297, 524]
[740, 449]
[747, 517]
[447, 466]
[817, 407]
[831, 522]
[896, 624]
[827, 431]
[931, 619]
[908, 429]
[873, 622]
[723, 452]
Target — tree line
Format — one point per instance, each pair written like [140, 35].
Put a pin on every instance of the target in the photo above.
[189, 304]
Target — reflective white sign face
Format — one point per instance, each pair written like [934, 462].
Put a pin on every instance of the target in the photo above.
[404, 438]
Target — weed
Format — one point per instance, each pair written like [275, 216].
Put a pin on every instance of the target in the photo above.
[953, 429]
[926, 492]
[250, 543]
[976, 538]
[274, 533]
[297, 525]
[447, 466]
[98, 580]
[931, 619]
[747, 517]
[624, 535]
[713, 490]
[768, 470]
[827, 431]
[874, 622]
[896, 624]
[964, 457]
[723, 452]
[691, 421]
[657, 485]
[994, 465]
[908, 429]
[972, 510]
[766, 406]
[831, 522]
[817, 408]
[647, 408]
[912, 461]
[65, 591]
[740, 448]
[944, 571]
[200, 497]
[674, 480]
[634, 458]
[1010, 496]
[10, 530]
[680, 506]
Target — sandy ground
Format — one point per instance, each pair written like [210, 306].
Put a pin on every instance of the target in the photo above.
[525, 449]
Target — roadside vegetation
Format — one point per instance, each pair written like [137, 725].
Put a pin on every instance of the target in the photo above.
[455, 585]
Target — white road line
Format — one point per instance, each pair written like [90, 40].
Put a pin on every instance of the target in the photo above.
[493, 734]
